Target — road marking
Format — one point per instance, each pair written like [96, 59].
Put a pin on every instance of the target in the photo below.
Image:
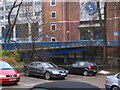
[39, 79]
[27, 84]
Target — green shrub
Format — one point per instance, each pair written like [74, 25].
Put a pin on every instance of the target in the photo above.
[15, 54]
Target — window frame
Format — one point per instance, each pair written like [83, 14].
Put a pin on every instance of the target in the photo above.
[53, 38]
[51, 3]
[51, 27]
[52, 14]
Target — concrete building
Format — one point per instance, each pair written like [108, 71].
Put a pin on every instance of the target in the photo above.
[30, 13]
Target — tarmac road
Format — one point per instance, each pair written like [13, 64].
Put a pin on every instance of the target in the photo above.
[28, 82]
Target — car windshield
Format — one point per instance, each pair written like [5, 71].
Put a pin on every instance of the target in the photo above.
[5, 66]
[49, 65]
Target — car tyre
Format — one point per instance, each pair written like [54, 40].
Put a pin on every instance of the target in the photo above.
[47, 76]
[93, 74]
[27, 73]
[115, 88]
[85, 73]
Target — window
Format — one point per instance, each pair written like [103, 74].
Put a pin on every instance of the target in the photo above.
[53, 27]
[33, 64]
[1, 8]
[1, 17]
[37, 3]
[12, 16]
[53, 14]
[118, 76]
[22, 14]
[6, 16]
[53, 3]
[53, 39]
[37, 13]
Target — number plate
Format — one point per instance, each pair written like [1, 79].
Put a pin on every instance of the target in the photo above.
[63, 73]
[12, 79]
[94, 70]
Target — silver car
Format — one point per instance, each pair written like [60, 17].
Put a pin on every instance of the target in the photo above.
[113, 82]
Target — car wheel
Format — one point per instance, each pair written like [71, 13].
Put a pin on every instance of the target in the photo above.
[47, 75]
[115, 88]
[85, 73]
[93, 74]
[27, 73]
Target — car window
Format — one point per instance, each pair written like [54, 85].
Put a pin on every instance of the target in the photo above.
[33, 64]
[90, 64]
[5, 66]
[118, 76]
[49, 65]
[75, 64]
[81, 64]
[39, 65]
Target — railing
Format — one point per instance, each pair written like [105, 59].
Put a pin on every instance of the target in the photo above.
[58, 44]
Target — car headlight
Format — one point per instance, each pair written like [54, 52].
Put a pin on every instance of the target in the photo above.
[67, 71]
[18, 75]
[55, 72]
[2, 75]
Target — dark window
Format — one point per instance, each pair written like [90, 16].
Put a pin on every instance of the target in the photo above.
[37, 3]
[53, 2]
[53, 15]
[6, 17]
[53, 39]
[37, 13]
[33, 64]
[53, 27]
[1, 8]
[12, 16]
[22, 31]
[1, 17]
[30, 14]
[22, 14]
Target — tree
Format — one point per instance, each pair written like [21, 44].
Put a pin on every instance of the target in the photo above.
[12, 22]
[35, 25]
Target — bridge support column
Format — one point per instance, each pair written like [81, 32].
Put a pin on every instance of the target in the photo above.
[83, 55]
[74, 57]
[66, 59]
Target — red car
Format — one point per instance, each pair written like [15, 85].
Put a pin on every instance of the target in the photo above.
[8, 74]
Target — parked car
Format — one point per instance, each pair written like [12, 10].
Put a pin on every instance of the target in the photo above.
[45, 69]
[113, 82]
[83, 67]
[8, 74]
[65, 85]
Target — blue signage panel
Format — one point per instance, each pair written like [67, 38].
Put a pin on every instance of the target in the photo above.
[116, 33]
[91, 7]
[47, 35]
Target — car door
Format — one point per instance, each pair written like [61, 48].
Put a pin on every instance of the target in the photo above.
[32, 68]
[80, 67]
[73, 67]
[40, 69]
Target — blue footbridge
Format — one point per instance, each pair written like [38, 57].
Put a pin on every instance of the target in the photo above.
[59, 47]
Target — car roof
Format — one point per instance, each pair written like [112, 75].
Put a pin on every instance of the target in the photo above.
[66, 85]
[40, 62]
[85, 61]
